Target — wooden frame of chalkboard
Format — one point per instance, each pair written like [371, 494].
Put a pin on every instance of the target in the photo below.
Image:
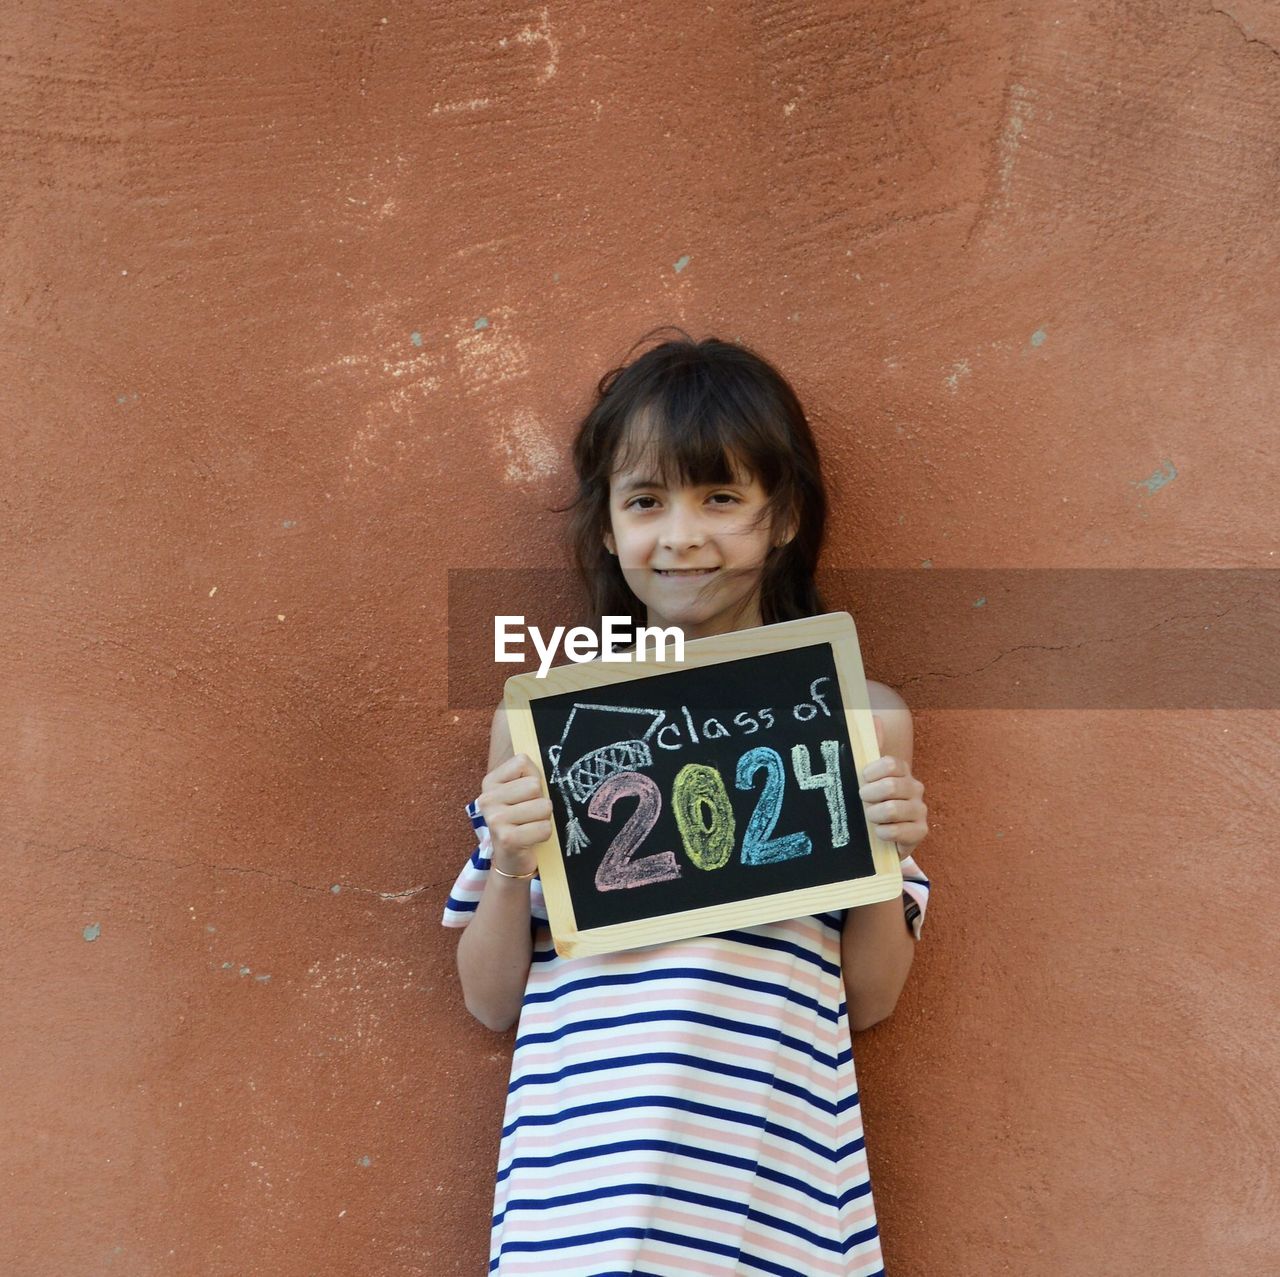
[783, 708]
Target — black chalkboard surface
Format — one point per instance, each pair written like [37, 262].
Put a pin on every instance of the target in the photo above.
[715, 793]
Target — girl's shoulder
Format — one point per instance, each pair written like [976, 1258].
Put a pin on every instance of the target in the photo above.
[882, 696]
[895, 716]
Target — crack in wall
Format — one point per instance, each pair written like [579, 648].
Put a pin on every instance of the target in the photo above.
[1249, 39]
[1070, 647]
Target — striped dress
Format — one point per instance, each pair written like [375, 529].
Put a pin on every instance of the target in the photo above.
[683, 1109]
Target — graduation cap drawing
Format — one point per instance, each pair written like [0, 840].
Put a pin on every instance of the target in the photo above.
[592, 734]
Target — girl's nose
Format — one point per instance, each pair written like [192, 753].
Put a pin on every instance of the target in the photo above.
[683, 531]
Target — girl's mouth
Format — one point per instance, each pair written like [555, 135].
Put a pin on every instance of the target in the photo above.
[685, 571]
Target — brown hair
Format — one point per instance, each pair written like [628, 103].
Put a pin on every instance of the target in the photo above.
[706, 405]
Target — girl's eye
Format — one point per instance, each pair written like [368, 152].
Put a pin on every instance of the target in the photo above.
[718, 498]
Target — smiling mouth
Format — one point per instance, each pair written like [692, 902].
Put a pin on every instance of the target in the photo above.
[685, 571]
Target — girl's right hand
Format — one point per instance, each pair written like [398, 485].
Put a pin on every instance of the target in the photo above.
[514, 805]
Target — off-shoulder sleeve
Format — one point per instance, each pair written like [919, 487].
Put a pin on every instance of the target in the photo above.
[915, 894]
[468, 887]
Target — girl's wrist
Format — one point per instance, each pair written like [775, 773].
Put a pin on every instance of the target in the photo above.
[512, 874]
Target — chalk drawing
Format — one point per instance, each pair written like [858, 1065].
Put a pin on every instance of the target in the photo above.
[579, 780]
[541, 34]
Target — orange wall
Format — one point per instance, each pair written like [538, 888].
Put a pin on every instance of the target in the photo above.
[299, 305]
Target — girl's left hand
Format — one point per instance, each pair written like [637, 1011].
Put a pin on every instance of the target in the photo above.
[894, 799]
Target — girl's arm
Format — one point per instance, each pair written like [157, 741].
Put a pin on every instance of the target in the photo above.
[876, 946]
[495, 950]
[876, 951]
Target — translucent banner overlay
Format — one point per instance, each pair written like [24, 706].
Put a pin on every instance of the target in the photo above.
[968, 638]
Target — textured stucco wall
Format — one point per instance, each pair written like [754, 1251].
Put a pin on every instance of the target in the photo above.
[298, 304]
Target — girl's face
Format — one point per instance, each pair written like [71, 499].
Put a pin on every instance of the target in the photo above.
[693, 555]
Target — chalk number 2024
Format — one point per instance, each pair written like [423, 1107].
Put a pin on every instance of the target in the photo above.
[704, 816]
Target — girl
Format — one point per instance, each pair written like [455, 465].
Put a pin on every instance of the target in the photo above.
[691, 1107]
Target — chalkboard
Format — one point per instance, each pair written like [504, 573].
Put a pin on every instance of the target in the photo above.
[718, 792]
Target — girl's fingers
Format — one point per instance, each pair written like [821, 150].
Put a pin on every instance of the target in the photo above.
[534, 809]
[893, 801]
[525, 794]
[511, 792]
[891, 812]
[907, 834]
[890, 787]
[516, 766]
[523, 825]
[878, 768]
[528, 835]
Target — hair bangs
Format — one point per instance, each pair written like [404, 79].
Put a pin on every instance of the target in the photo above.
[692, 429]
